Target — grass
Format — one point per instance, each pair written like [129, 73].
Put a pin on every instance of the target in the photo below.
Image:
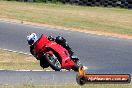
[112, 20]
[69, 86]
[16, 61]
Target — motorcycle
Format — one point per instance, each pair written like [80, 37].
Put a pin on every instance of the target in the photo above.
[54, 55]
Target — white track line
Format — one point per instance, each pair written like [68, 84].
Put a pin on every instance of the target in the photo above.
[85, 68]
[25, 70]
[20, 53]
[25, 54]
[14, 51]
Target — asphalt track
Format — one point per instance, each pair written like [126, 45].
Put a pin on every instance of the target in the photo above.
[36, 77]
[101, 54]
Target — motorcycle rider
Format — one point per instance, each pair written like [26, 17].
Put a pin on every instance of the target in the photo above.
[32, 38]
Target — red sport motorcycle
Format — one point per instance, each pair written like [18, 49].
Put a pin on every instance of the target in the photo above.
[54, 55]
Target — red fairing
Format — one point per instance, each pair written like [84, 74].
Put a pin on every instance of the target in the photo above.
[40, 43]
[64, 55]
[43, 43]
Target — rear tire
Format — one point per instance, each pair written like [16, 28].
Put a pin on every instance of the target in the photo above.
[48, 58]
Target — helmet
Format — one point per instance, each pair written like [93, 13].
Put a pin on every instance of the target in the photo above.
[32, 38]
[51, 38]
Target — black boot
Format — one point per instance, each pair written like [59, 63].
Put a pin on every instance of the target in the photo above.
[67, 47]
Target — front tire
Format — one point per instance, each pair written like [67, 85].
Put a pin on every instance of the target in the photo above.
[53, 62]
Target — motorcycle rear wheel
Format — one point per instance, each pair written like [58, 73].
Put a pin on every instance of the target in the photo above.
[53, 62]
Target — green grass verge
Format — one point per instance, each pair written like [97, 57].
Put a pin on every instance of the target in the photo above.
[69, 86]
[113, 20]
[16, 61]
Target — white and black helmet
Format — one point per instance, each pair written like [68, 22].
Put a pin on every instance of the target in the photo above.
[32, 38]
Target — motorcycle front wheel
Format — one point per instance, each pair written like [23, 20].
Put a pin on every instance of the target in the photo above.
[53, 62]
